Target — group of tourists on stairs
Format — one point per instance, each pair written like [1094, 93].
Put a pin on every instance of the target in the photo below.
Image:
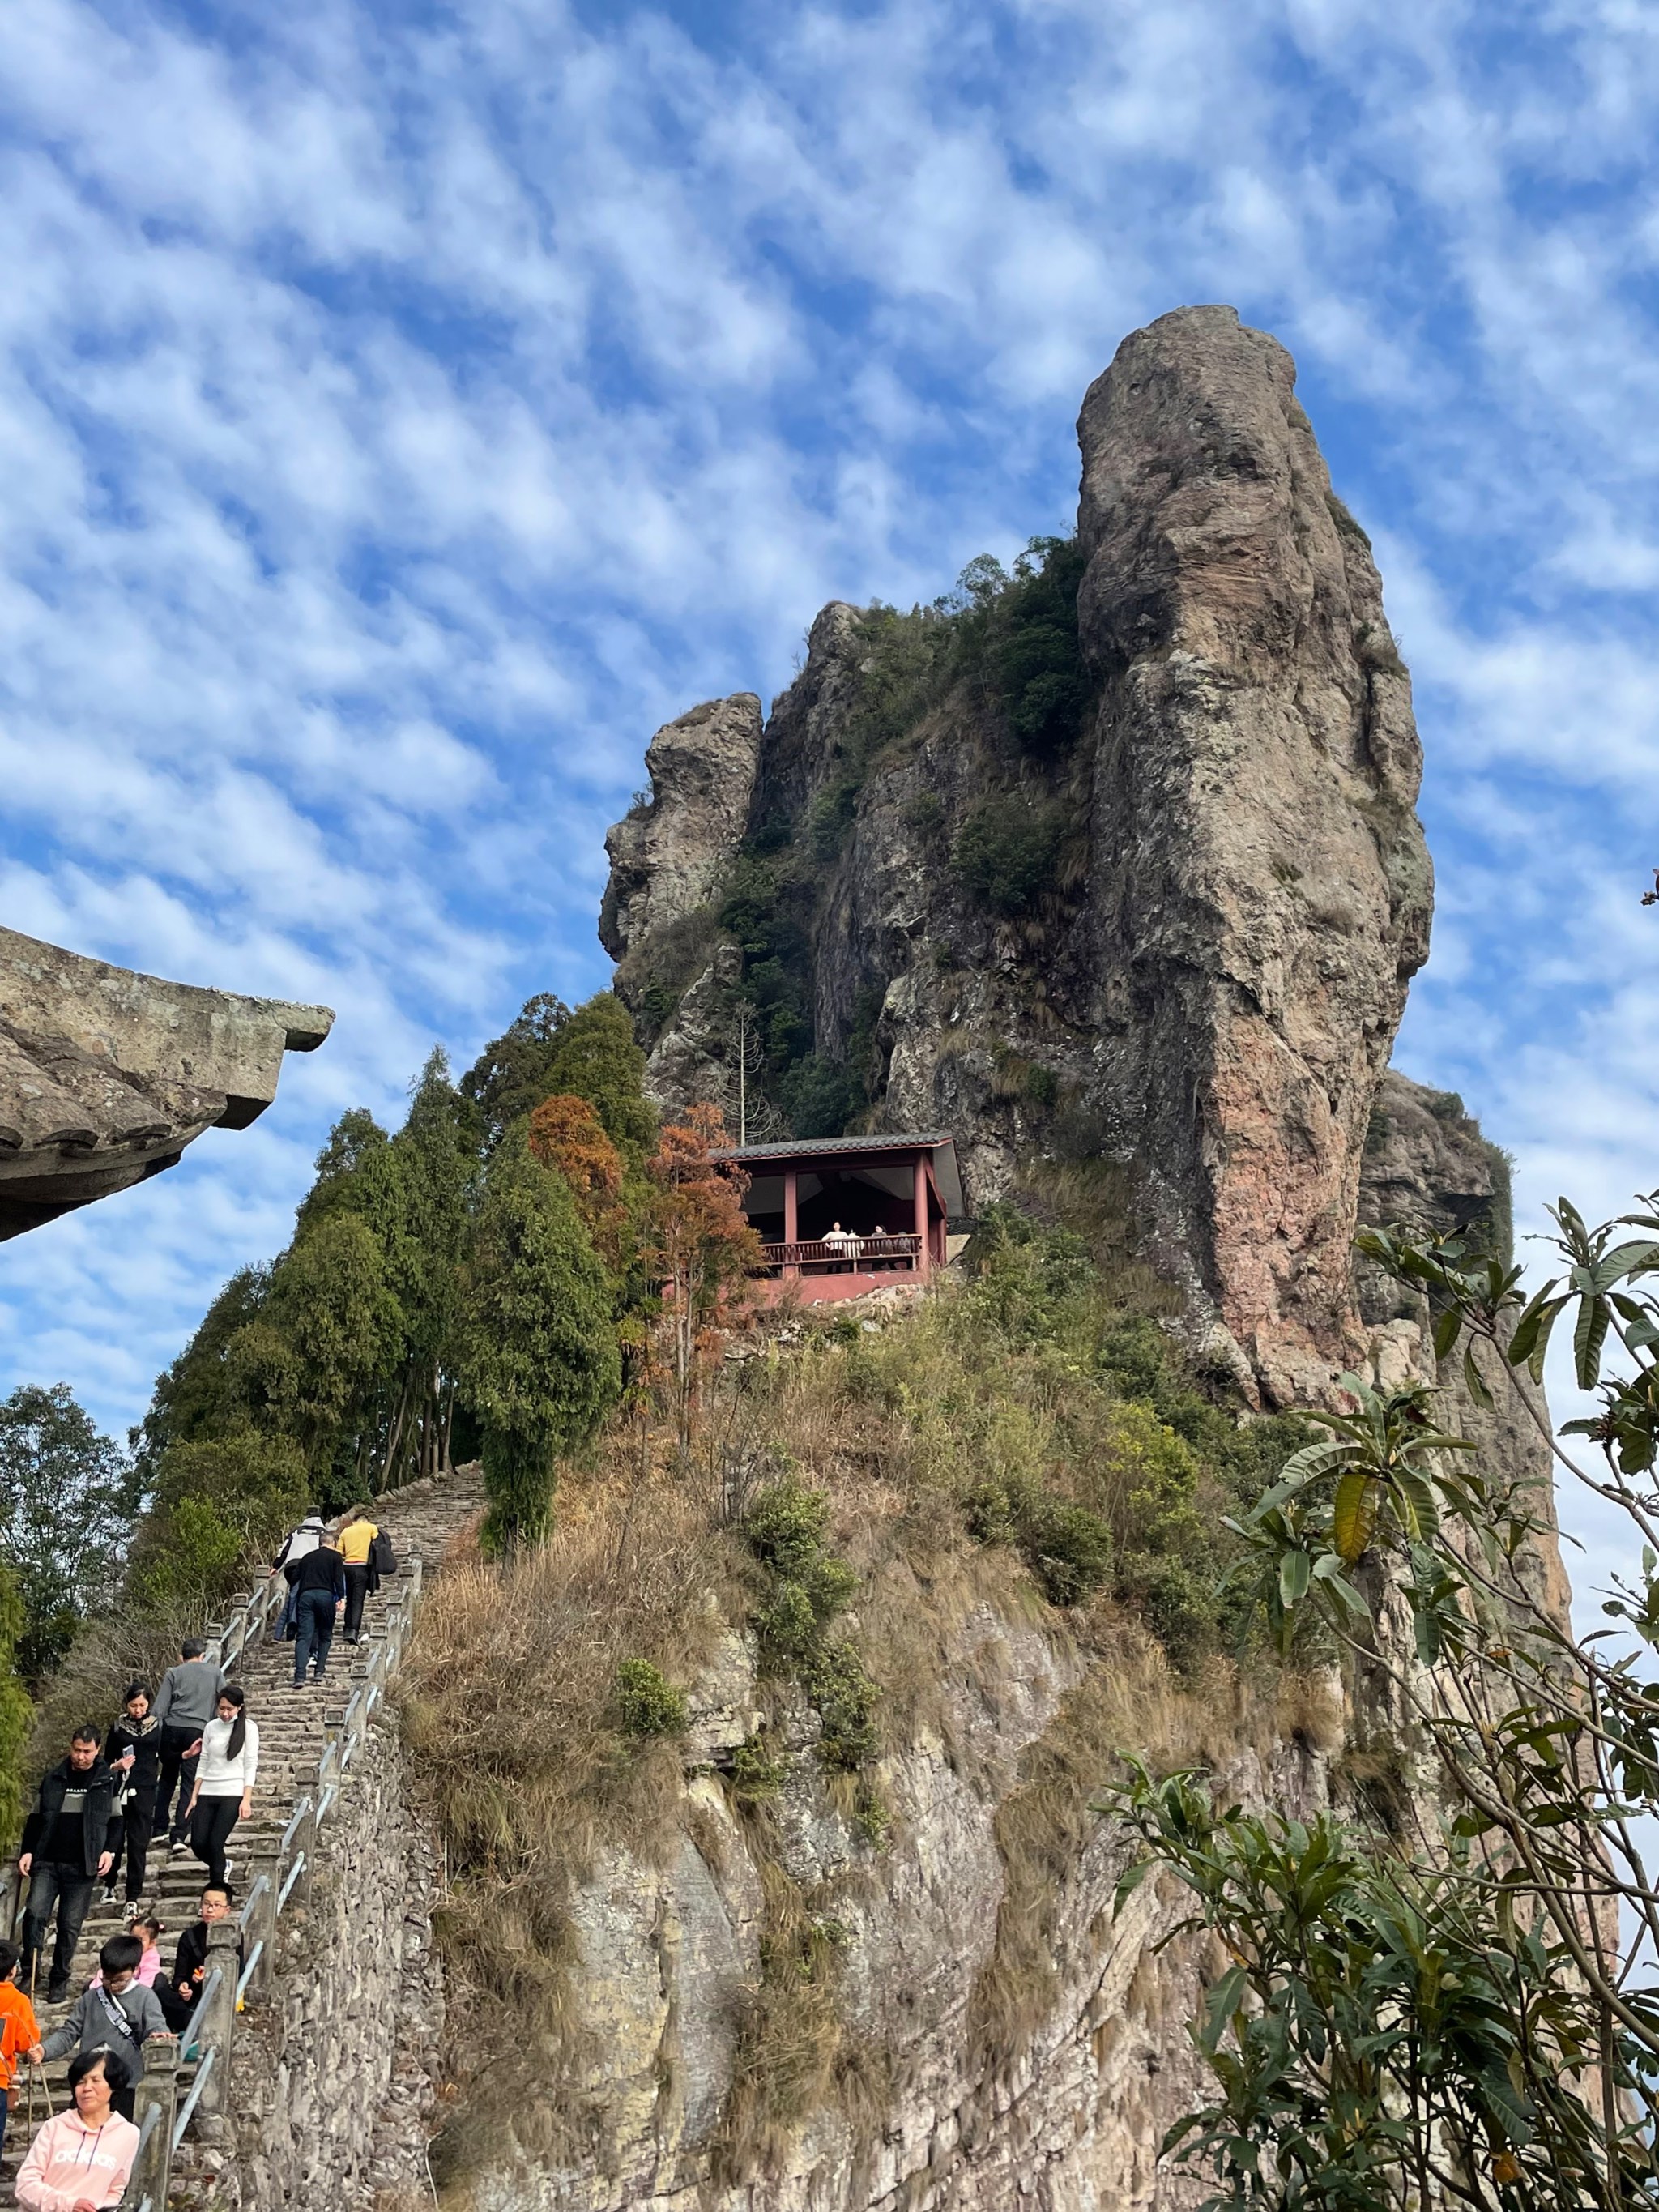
[181, 1771]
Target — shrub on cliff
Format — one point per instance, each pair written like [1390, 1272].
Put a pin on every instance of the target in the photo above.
[1461, 2005]
[648, 1704]
[1020, 635]
[1006, 853]
[784, 1528]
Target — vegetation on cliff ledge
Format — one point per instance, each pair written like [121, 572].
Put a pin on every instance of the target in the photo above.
[999, 657]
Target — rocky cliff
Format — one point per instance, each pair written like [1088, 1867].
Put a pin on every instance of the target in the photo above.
[1116, 855]
[987, 2032]
[1113, 857]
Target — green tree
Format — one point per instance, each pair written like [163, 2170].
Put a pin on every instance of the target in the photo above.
[594, 1056]
[590, 1054]
[511, 1075]
[539, 1353]
[330, 1300]
[14, 1708]
[1447, 2009]
[219, 1502]
[195, 1397]
[437, 1152]
[66, 1504]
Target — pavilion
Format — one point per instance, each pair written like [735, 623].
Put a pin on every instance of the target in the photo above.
[891, 1197]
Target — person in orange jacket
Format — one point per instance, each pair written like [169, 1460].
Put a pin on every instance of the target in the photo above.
[18, 2033]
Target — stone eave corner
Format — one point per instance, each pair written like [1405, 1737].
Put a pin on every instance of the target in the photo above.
[107, 1075]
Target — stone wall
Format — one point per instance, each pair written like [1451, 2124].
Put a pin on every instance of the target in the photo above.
[333, 2070]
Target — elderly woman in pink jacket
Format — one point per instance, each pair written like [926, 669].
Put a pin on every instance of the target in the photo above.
[81, 2161]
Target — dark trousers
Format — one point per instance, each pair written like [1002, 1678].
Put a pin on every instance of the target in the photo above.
[5, 2107]
[210, 1824]
[70, 1890]
[175, 1768]
[175, 2011]
[356, 1591]
[314, 1631]
[138, 1812]
[120, 2099]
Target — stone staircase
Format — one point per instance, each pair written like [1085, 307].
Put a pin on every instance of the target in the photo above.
[422, 1519]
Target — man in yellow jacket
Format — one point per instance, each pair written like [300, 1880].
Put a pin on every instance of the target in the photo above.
[355, 1538]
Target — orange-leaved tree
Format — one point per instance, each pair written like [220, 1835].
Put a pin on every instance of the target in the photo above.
[700, 1248]
[567, 1135]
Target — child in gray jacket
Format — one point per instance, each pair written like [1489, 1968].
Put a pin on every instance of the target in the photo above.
[118, 2017]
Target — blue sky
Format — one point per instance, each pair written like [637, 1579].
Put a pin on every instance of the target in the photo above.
[403, 409]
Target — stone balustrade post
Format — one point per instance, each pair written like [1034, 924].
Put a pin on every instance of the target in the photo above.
[302, 1851]
[155, 2090]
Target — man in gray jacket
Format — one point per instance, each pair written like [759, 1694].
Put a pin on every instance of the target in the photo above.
[116, 2014]
[183, 1705]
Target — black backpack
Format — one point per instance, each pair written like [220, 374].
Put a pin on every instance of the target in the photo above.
[381, 1557]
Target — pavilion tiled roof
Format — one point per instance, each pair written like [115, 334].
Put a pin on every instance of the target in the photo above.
[794, 1146]
[799, 1148]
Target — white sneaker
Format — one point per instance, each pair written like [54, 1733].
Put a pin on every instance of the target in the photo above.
[230, 1869]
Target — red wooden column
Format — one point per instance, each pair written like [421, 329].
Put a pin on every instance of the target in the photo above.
[791, 1217]
[922, 1255]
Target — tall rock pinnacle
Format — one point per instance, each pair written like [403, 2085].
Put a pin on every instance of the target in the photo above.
[1169, 924]
[1261, 891]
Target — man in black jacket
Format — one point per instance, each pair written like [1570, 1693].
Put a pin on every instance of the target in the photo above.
[319, 1583]
[71, 1839]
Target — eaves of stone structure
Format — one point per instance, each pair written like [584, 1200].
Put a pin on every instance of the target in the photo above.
[107, 1075]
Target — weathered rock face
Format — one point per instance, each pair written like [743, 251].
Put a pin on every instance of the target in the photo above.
[1427, 1166]
[668, 856]
[1209, 981]
[1262, 889]
[107, 1075]
[911, 2113]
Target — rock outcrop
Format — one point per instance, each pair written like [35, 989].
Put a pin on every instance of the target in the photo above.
[1004, 2036]
[107, 1075]
[1227, 887]
[669, 854]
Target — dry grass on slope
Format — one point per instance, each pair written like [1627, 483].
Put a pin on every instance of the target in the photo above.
[1131, 1698]
[511, 1718]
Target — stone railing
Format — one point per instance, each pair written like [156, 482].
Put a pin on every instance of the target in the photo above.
[280, 1882]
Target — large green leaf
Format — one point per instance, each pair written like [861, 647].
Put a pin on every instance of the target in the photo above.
[1354, 1516]
[1625, 1259]
[1475, 1381]
[1589, 1335]
[1422, 1517]
[1223, 2002]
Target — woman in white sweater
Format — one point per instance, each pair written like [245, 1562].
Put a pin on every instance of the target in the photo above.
[224, 1780]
